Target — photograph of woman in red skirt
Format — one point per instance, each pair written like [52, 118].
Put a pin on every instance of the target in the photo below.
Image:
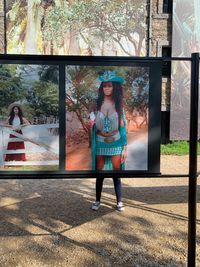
[16, 121]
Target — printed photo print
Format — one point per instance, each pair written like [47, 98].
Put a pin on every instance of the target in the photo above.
[29, 123]
[107, 121]
[93, 28]
[185, 40]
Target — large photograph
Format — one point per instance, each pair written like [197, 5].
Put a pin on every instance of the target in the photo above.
[29, 122]
[73, 27]
[185, 40]
[107, 118]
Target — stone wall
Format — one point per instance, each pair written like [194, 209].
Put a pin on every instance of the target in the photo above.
[2, 47]
[161, 28]
[161, 36]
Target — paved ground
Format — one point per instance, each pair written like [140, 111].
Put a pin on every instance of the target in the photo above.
[49, 222]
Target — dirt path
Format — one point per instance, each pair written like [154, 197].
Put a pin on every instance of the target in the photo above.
[79, 158]
[49, 223]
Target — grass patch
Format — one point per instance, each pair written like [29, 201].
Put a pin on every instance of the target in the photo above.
[177, 148]
[31, 168]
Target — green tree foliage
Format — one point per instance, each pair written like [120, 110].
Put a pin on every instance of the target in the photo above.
[80, 92]
[137, 94]
[36, 87]
[49, 73]
[11, 89]
[137, 90]
[57, 26]
[111, 20]
[41, 83]
[43, 98]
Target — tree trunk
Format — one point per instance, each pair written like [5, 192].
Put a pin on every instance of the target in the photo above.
[32, 28]
[102, 47]
[89, 137]
[139, 46]
[47, 47]
[74, 48]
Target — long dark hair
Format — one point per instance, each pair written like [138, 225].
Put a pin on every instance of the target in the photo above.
[12, 115]
[117, 96]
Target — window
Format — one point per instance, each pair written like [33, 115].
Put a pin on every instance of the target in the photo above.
[166, 70]
[167, 6]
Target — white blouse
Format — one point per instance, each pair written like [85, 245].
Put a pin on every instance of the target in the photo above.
[16, 121]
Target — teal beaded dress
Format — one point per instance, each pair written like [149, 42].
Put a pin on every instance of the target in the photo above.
[108, 123]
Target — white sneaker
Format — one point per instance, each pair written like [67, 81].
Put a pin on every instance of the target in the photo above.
[120, 206]
[96, 205]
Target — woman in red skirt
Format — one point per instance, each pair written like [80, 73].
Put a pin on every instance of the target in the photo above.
[16, 121]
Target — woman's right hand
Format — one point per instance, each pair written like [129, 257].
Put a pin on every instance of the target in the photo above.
[91, 123]
[14, 128]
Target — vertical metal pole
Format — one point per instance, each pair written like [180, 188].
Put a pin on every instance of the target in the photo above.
[193, 160]
[62, 118]
[149, 31]
[1, 147]
[5, 27]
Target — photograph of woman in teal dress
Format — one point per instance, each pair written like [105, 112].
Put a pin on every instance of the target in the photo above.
[109, 142]
[107, 113]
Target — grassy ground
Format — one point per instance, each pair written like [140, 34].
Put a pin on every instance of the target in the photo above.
[179, 148]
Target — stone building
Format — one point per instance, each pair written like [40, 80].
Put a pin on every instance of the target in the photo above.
[160, 43]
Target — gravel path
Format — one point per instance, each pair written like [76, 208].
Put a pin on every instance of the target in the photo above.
[48, 223]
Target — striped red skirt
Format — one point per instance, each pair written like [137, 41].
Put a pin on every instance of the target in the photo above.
[15, 146]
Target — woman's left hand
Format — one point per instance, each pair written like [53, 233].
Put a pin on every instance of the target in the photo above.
[124, 155]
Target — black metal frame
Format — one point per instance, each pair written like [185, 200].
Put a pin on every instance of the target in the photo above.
[193, 174]
[154, 127]
[192, 197]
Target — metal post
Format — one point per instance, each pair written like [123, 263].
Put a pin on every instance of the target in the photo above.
[193, 160]
[1, 147]
[5, 27]
[149, 31]
[62, 118]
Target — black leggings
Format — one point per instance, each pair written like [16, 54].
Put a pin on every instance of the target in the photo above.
[117, 185]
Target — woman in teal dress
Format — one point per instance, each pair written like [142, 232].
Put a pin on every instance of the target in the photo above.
[109, 142]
